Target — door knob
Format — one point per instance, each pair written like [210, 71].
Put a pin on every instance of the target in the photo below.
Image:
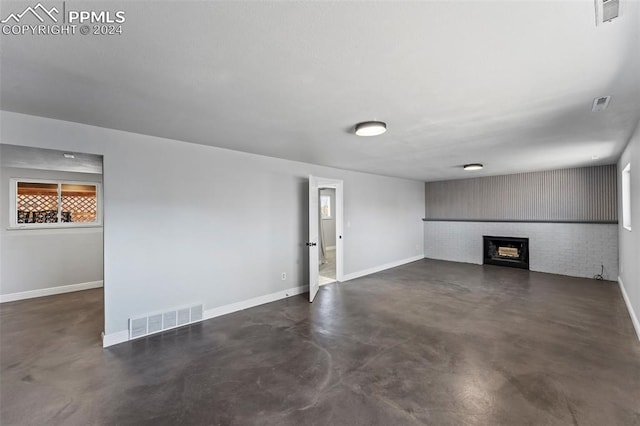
[311, 244]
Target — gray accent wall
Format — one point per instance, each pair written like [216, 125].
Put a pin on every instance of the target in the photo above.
[568, 215]
[187, 223]
[574, 249]
[629, 241]
[582, 195]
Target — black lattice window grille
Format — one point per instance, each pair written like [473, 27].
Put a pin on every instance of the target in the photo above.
[48, 202]
[79, 208]
[37, 202]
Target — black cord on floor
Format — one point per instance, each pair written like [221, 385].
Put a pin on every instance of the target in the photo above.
[600, 276]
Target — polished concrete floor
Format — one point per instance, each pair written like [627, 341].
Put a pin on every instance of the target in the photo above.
[430, 342]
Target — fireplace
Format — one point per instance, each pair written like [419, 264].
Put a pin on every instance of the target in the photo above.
[506, 251]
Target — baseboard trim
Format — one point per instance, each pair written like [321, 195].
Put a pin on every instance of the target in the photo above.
[123, 336]
[11, 297]
[250, 303]
[115, 338]
[330, 248]
[453, 260]
[354, 275]
[634, 318]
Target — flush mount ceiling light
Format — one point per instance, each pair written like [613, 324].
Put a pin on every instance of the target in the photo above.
[371, 128]
[69, 155]
[473, 166]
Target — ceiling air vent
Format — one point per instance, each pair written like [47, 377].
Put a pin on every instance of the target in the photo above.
[607, 10]
[600, 104]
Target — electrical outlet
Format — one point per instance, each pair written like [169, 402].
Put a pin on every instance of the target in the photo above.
[284, 276]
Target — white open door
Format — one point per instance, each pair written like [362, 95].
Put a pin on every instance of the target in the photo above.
[312, 243]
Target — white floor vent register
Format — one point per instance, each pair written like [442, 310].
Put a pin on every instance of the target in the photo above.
[154, 323]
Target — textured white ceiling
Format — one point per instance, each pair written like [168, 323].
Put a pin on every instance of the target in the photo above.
[509, 84]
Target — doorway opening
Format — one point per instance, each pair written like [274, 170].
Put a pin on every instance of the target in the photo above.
[52, 237]
[325, 232]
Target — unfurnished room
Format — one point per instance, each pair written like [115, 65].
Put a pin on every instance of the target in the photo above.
[320, 213]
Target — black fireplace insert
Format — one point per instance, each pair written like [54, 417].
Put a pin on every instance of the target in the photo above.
[506, 251]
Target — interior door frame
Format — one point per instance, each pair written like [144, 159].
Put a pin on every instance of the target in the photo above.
[338, 185]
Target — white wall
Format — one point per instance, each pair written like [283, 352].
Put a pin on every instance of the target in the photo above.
[575, 249]
[630, 240]
[188, 223]
[40, 259]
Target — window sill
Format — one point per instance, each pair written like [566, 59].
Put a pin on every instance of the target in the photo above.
[628, 228]
[39, 227]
